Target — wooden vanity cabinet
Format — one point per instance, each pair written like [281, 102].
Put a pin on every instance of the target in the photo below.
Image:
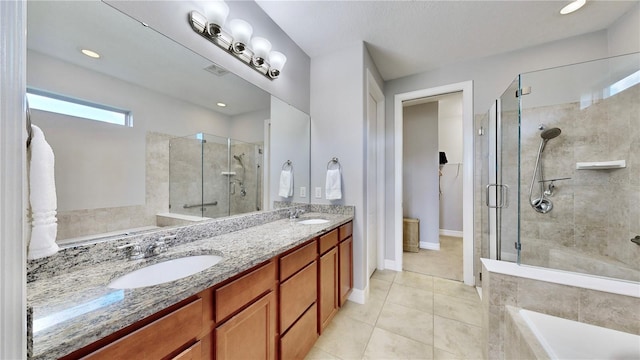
[345, 254]
[275, 310]
[298, 298]
[246, 314]
[171, 334]
[328, 301]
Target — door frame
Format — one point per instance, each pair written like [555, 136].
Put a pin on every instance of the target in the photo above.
[466, 87]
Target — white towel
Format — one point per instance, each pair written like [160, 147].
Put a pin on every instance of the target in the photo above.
[286, 184]
[333, 186]
[42, 197]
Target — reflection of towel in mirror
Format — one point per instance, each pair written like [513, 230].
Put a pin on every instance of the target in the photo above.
[286, 184]
[42, 197]
[333, 186]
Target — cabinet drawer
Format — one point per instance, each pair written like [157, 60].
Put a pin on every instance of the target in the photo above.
[296, 343]
[328, 241]
[242, 291]
[297, 294]
[346, 230]
[290, 264]
[194, 352]
[158, 339]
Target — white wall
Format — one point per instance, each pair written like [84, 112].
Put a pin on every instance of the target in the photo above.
[420, 170]
[170, 18]
[490, 77]
[337, 130]
[101, 165]
[450, 141]
[290, 136]
[624, 36]
[249, 127]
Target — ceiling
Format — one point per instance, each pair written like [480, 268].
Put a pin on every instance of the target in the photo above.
[410, 37]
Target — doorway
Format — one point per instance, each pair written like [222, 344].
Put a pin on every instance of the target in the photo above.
[432, 186]
[467, 171]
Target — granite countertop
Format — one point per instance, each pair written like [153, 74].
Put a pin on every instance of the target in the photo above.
[74, 309]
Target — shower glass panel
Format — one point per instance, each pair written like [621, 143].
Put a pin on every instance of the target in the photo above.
[481, 180]
[245, 167]
[582, 113]
[185, 175]
[508, 172]
[212, 176]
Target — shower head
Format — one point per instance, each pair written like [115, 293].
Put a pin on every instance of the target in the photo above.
[549, 134]
[239, 158]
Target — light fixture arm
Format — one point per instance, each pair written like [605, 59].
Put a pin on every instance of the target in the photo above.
[215, 34]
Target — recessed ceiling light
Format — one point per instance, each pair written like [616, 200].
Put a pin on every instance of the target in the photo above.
[91, 54]
[573, 6]
[221, 104]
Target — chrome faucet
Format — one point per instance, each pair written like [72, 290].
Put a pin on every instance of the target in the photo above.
[295, 213]
[134, 251]
[159, 246]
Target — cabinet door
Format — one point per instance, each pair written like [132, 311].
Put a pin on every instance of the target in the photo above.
[346, 269]
[328, 287]
[251, 334]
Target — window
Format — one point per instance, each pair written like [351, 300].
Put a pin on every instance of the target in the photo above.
[45, 101]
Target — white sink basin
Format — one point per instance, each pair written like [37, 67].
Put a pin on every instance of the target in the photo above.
[313, 221]
[165, 271]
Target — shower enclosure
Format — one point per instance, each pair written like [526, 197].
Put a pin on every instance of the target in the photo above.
[558, 170]
[212, 176]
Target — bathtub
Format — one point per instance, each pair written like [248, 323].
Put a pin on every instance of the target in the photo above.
[550, 291]
[567, 339]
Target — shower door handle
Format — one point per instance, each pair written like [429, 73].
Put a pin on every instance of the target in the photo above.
[503, 198]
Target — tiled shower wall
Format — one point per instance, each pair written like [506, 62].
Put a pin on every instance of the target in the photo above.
[596, 212]
[85, 222]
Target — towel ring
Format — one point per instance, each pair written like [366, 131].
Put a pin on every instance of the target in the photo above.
[332, 162]
[287, 164]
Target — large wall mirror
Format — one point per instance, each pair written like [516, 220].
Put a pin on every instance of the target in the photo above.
[178, 154]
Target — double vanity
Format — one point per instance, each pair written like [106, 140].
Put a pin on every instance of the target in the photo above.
[259, 286]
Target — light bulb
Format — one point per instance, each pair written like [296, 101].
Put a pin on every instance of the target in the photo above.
[261, 48]
[241, 32]
[277, 61]
[216, 12]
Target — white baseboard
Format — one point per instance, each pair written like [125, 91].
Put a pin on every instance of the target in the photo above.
[429, 246]
[454, 233]
[391, 265]
[358, 296]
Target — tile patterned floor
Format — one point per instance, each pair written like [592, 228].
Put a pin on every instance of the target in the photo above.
[445, 263]
[408, 316]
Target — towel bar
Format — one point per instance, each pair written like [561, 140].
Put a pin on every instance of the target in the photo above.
[287, 164]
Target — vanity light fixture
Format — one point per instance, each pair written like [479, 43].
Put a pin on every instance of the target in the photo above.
[572, 6]
[237, 40]
[90, 53]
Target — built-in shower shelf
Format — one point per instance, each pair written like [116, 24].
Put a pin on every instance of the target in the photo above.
[601, 165]
[228, 173]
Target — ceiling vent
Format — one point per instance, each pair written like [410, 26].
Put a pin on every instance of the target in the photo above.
[217, 70]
